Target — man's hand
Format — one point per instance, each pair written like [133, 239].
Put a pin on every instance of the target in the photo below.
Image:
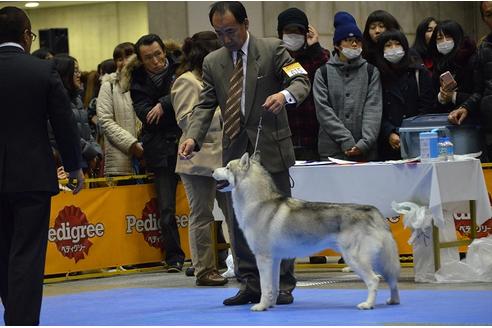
[394, 141]
[60, 172]
[274, 103]
[78, 177]
[185, 149]
[458, 115]
[155, 114]
[137, 150]
[312, 36]
[447, 96]
[352, 152]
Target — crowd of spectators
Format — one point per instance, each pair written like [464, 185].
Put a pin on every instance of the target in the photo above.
[361, 92]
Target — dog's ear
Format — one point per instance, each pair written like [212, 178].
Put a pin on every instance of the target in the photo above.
[256, 157]
[245, 161]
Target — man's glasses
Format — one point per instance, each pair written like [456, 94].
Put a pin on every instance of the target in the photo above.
[32, 35]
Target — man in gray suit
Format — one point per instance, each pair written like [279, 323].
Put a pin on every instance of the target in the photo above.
[271, 79]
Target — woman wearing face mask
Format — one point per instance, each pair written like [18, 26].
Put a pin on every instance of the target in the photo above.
[407, 89]
[453, 52]
[422, 39]
[301, 40]
[377, 22]
[347, 95]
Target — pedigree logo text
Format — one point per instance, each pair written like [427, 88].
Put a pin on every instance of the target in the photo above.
[148, 225]
[72, 231]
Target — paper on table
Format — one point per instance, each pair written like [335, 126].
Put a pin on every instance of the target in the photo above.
[313, 163]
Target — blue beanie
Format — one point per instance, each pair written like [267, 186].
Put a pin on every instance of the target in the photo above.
[345, 27]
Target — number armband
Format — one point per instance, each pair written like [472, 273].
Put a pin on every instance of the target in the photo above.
[294, 69]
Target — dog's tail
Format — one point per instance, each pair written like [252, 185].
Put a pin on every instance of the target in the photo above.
[389, 266]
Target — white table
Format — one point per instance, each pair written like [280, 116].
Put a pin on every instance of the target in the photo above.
[378, 184]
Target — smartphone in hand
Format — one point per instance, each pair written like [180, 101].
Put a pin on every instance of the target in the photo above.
[448, 83]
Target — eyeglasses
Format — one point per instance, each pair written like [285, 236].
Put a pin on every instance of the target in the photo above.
[32, 35]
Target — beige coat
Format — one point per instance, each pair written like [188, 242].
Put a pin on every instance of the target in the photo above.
[184, 96]
[119, 124]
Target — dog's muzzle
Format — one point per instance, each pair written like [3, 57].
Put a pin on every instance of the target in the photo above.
[223, 185]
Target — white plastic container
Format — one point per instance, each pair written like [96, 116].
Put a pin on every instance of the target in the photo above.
[429, 150]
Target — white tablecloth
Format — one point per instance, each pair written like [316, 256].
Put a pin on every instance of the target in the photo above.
[378, 184]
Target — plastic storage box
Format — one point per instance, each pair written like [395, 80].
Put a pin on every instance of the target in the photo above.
[465, 137]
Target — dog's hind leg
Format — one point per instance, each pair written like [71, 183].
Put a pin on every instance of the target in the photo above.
[268, 284]
[361, 264]
[388, 264]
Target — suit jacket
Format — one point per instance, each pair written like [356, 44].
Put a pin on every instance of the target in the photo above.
[184, 96]
[31, 92]
[264, 77]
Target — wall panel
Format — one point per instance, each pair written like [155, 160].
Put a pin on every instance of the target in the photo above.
[94, 29]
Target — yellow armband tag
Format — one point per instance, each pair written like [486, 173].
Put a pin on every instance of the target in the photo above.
[294, 69]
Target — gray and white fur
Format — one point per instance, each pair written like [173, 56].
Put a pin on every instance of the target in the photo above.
[278, 227]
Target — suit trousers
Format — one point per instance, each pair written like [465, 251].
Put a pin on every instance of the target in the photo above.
[201, 192]
[24, 224]
[244, 260]
[166, 182]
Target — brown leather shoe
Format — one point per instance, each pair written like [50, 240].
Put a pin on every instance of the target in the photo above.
[212, 278]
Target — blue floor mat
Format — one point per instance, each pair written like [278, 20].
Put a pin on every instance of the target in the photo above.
[203, 306]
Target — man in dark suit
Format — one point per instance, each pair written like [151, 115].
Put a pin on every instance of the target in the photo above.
[270, 79]
[31, 92]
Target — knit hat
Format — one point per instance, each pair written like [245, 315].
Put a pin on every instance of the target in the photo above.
[292, 16]
[345, 27]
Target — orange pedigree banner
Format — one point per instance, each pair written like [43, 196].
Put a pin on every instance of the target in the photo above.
[113, 226]
[108, 227]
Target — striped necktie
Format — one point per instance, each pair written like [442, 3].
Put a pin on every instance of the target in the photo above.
[232, 114]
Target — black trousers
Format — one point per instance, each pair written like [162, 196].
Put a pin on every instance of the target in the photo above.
[245, 262]
[24, 223]
[165, 184]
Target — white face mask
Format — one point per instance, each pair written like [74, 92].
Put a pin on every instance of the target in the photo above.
[293, 42]
[394, 55]
[445, 47]
[351, 53]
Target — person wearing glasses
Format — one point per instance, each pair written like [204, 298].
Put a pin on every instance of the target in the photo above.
[348, 98]
[152, 74]
[68, 68]
[30, 92]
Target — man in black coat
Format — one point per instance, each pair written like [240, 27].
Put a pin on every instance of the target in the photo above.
[31, 92]
[150, 90]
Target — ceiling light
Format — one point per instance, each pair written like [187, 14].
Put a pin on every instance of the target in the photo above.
[31, 4]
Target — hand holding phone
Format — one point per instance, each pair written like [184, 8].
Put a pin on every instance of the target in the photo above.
[448, 83]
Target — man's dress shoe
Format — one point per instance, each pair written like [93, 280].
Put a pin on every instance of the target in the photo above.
[246, 296]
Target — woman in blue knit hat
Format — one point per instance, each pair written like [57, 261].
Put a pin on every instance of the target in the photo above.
[347, 95]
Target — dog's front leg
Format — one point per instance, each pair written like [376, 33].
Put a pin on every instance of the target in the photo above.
[268, 298]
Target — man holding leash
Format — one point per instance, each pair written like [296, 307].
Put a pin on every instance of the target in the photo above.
[249, 79]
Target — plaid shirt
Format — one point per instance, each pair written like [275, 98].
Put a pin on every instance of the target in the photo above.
[302, 120]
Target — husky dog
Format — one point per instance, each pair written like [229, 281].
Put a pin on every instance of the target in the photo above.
[278, 227]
